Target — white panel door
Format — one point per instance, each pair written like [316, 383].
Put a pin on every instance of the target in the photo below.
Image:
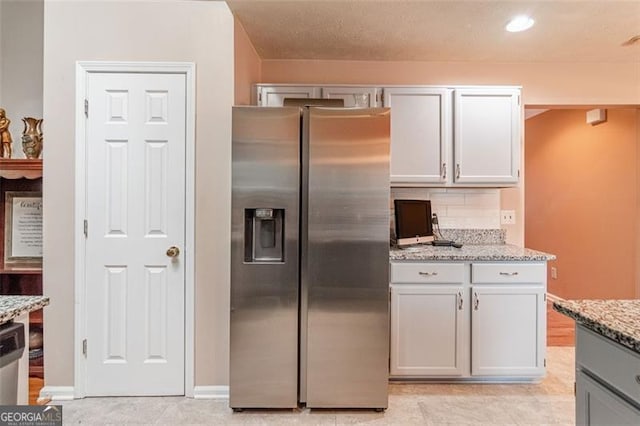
[275, 95]
[362, 97]
[487, 135]
[427, 330]
[420, 134]
[508, 330]
[135, 212]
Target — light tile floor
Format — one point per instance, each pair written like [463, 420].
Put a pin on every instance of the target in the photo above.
[549, 402]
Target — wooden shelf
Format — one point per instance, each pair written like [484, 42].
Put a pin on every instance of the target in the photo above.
[36, 317]
[36, 371]
[8, 269]
[21, 175]
[18, 168]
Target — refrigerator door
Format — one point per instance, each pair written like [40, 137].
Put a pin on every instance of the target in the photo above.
[345, 259]
[264, 257]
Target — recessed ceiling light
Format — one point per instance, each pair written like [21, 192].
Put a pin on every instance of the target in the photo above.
[520, 23]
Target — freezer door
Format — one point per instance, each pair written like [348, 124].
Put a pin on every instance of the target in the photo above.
[345, 276]
[264, 257]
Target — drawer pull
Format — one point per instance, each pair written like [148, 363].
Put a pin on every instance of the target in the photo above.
[428, 274]
[509, 274]
[638, 379]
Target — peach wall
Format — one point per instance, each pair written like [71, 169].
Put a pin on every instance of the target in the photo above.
[21, 46]
[247, 65]
[543, 83]
[581, 200]
[638, 205]
[202, 33]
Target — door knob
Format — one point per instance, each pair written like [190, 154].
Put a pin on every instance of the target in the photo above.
[173, 251]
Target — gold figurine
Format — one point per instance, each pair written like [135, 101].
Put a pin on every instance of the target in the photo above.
[5, 136]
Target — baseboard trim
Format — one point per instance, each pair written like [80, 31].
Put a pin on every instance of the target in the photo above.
[211, 392]
[56, 393]
[554, 298]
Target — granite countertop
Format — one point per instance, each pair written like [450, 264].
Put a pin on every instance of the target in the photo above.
[618, 320]
[470, 252]
[13, 306]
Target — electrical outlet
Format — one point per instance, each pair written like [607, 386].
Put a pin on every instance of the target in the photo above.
[554, 272]
[507, 217]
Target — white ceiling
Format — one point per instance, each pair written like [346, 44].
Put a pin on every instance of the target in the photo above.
[396, 30]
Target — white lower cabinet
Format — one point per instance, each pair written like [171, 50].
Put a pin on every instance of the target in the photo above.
[507, 330]
[458, 328]
[598, 405]
[428, 330]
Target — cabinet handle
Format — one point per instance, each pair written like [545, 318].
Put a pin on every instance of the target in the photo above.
[444, 171]
[428, 274]
[476, 301]
[458, 171]
[460, 300]
[509, 274]
[638, 379]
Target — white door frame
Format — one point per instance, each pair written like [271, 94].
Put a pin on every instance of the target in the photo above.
[83, 69]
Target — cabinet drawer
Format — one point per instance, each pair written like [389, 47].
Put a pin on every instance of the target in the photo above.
[427, 272]
[613, 364]
[508, 272]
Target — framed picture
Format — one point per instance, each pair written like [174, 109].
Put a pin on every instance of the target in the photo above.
[23, 228]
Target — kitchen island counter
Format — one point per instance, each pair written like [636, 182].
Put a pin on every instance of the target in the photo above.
[607, 360]
[470, 253]
[12, 307]
[619, 320]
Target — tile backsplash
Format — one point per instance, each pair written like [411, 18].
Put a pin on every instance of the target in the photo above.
[457, 208]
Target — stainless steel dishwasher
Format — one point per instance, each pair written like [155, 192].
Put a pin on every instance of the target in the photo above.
[11, 349]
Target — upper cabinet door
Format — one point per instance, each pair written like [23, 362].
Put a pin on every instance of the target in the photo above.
[420, 134]
[487, 135]
[365, 97]
[275, 95]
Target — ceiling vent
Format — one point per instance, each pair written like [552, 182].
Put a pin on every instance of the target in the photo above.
[596, 116]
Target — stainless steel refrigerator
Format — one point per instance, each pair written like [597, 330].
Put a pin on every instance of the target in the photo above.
[309, 258]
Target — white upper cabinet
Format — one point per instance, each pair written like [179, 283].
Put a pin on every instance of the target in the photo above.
[275, 95]
[420, 134]
[364, 97]
[487, 126]
[440, 136]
